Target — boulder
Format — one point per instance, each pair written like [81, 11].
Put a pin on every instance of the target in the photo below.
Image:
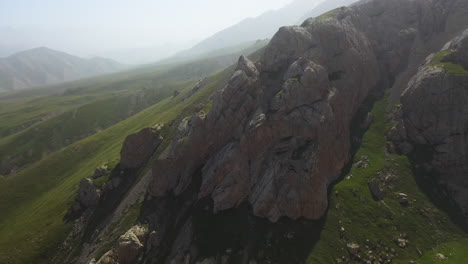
[131, 244]
[138, 148]
[353, 249]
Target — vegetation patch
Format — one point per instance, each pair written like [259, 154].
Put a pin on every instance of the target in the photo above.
[440, 56]
[449, 67]
[327, 15]
[452, 68]
[208, 106]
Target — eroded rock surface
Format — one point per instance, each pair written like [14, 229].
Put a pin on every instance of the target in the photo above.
[434, 118]
[279, 132]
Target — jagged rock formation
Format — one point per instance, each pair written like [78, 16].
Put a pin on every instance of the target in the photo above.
[138, 147]
[279, 133]
[433, 119]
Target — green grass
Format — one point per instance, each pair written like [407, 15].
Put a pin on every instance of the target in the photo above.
[455, 252]
[48, 136]
[327, 15]
[99, 182]
[34, 202]
[452, 68]
[353, 208]
[440, 56]
[449, 67]
[208, 106]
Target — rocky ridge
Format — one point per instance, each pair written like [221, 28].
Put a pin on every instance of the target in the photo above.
[279, 132]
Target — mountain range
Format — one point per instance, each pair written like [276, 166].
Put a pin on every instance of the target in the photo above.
[43, 66]
[265, 25]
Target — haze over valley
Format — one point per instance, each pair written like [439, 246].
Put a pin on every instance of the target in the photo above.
[233, 132]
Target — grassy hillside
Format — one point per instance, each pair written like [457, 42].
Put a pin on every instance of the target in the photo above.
[34, 202]
[72, 124]
[33, 126]
[377, 226]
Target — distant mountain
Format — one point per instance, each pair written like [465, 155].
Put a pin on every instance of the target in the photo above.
[324, 7]
[144, 55]
[250, 29]
[264, 26]
[44, 66]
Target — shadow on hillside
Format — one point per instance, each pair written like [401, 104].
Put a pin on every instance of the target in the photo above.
[429, 182]
[110, 200]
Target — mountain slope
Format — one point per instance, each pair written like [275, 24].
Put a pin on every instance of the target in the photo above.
[80, 129]
[282, 159]
[43, 66]
[31, 128]
[251, 29]
[250, 180]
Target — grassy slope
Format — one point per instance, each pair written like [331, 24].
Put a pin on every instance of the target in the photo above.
[352, 207]
[39, 126]
[74, 124]
[34, 202]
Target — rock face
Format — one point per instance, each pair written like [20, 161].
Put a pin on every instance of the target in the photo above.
[278, 143]
[279, 132]
[138, 148]
[433, 122]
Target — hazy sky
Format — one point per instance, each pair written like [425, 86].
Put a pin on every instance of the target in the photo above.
[86, 26]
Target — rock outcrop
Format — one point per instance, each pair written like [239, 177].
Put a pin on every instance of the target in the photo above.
[128, 248]
[87, 199]
[433, 119]
[138, 148]
[279, 132]
[88, 194]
